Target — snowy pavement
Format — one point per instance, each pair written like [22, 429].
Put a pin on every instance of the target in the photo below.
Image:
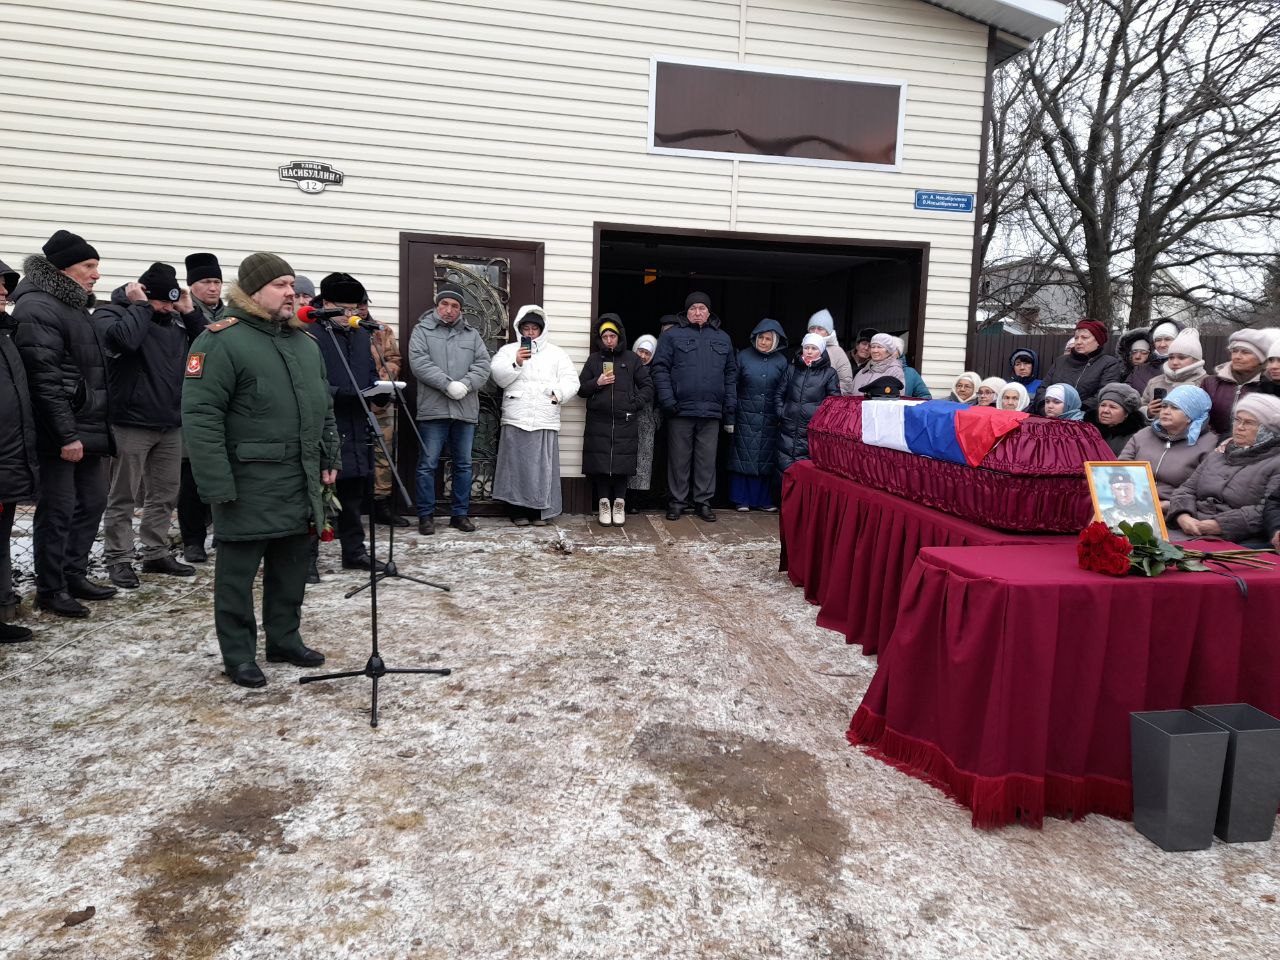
[640, 754]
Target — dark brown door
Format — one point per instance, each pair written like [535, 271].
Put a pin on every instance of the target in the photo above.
[497, 277]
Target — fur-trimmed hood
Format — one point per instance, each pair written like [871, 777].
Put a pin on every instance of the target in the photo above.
[41, 275]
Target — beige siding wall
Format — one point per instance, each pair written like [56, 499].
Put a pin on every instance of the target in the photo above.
[156, 128]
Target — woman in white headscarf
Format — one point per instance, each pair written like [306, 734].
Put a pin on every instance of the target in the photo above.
[989, 391]
[648, 420]
[965, 387]
[1062, 402]
[1014, 396]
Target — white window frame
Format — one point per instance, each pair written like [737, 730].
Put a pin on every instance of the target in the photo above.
[777, 71]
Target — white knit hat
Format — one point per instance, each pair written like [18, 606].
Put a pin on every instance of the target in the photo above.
[1263, 406]
[1187, 343]
[1257, 342]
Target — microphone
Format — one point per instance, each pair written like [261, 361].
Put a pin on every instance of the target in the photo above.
[337, 316]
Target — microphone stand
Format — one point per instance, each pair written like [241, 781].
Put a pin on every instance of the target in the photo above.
[390, 569]
[375, 668]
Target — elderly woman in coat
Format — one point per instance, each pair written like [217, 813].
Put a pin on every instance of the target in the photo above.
[808, 381]
[615, 384]
[1224, 496]
[824, 325]
[1118, 415]
[761, 368]
[1177, 442]
[1086, 366]
[650, 419]
[535, 379]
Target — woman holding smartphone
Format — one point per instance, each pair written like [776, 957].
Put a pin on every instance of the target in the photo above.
[616, 386]
[536, 377]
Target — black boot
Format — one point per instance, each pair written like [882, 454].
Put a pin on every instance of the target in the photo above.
[123, 575]
[384, 516]
[195, 553]
[60, 603]
[247, 675]
[313, 573]
[168, 565]
[82, 588]
[361, 561]
[12, 633]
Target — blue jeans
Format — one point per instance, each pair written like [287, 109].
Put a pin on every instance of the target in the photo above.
[459, 436]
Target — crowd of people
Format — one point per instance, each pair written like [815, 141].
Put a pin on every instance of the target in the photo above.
[223, 406]
[1212, 437]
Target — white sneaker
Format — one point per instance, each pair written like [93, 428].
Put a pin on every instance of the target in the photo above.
[619, 512]
[605, 514]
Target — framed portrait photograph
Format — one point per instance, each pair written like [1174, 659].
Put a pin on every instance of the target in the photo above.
[1125, 490]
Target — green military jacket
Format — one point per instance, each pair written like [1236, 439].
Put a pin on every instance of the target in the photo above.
[257, 419]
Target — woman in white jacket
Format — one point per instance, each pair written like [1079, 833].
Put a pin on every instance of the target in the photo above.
[535, 380]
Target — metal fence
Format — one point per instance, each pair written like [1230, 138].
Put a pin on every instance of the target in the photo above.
[991, 351]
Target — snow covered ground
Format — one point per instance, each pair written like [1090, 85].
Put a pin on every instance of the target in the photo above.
[640, 753]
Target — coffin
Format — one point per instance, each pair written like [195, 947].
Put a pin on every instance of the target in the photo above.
[1032, 481]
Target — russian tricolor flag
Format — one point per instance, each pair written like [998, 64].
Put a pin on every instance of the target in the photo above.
[940, 429]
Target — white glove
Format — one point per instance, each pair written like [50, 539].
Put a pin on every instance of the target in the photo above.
[728, 428]
[456, 390]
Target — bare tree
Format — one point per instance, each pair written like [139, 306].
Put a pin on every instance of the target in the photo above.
[1140, 147]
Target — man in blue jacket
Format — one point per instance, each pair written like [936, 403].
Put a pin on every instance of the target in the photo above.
[695, 375]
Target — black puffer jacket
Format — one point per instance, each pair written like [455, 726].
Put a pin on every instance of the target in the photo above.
[66, 365]
[1088, 374]
[18, 471]
[146, 360]
[348, 405]
[612, 436]
[801, 392]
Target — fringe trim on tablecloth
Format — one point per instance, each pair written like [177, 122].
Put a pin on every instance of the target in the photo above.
[994, 801]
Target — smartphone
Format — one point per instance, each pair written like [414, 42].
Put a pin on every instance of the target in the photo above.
[526, 343]
[608, 366]
[1159, 393]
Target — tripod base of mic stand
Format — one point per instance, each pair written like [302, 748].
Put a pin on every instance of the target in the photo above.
[375, 670]
[389, 569]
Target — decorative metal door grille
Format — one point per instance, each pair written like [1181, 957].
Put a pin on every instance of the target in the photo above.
[485, 283]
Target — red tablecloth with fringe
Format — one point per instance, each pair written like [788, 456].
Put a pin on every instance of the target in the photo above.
[1012, 673]
[851, 547]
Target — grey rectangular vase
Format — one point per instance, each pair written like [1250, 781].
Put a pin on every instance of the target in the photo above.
[1177, 777]
[1251, 783]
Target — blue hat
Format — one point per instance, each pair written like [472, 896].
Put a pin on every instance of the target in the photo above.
[1195, 403]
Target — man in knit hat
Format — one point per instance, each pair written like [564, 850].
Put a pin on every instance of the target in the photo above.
[258, 424]
[146, 335]
[695, 377]
[1237, 377]
[451, 363]
[19, 464]
[67, 372]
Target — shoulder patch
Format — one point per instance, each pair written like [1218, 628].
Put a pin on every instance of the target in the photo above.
[222, 325]
[195, 365]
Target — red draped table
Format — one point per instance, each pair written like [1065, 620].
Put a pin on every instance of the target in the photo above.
[1012, 673]
[851, 548]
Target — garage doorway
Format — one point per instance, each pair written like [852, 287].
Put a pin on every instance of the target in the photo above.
[642, 273]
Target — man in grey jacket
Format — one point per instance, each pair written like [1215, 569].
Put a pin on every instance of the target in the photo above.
[450, 361]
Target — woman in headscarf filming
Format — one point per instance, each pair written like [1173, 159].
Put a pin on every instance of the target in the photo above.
[615, 384]
[808, 381]
[1224, 496]
[535, 377]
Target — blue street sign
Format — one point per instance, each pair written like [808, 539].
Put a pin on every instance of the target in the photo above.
[948, 202]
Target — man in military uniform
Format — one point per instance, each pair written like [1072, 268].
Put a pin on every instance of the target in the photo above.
[1125, 502]
[259, 429]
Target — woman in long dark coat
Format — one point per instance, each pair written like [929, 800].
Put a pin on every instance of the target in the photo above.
[616, 386]
[761, 368]
[809, 380]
